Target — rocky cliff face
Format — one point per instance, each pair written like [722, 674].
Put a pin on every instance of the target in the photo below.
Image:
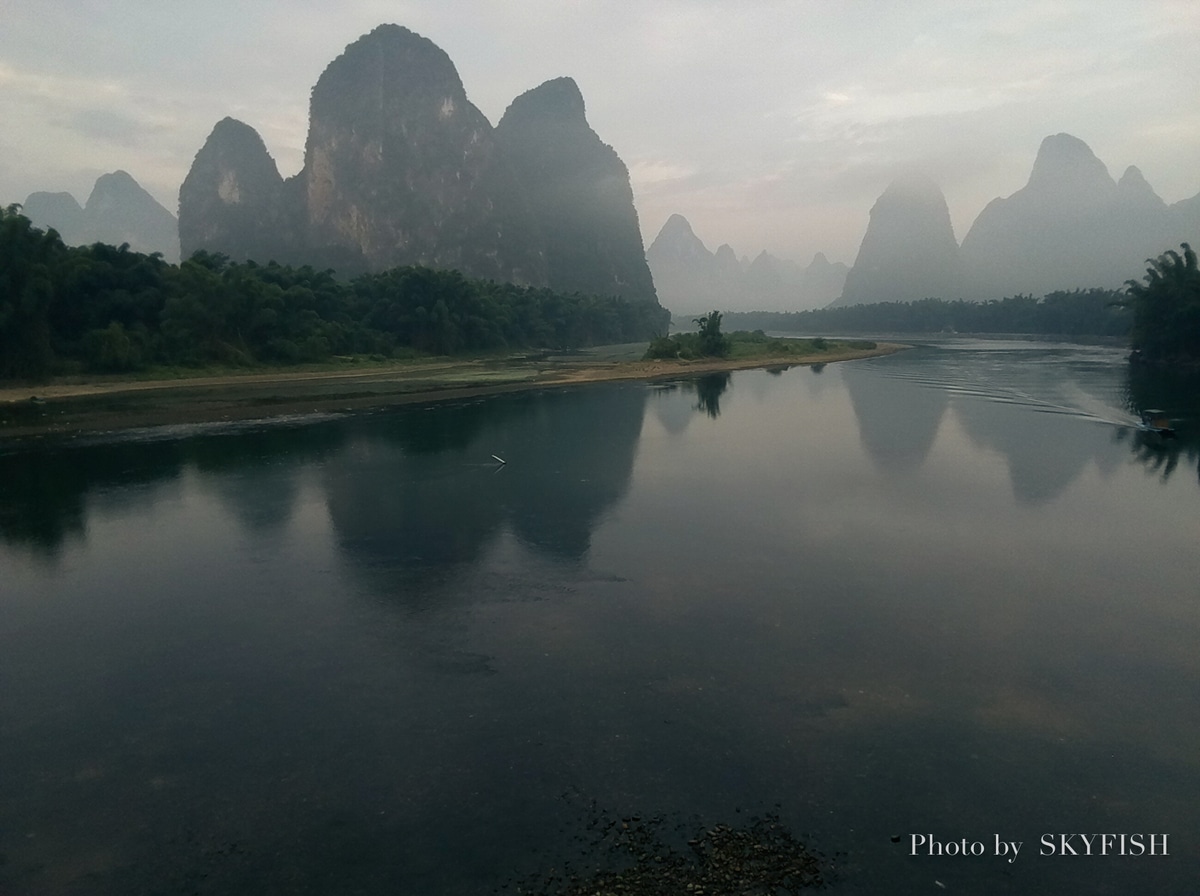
[1070, 226]
[579, 192]
[691, 279]
[401, 168]
[233, 200]
[909, 251]
[118, 211]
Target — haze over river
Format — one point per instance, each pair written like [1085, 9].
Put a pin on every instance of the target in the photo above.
[950, 592]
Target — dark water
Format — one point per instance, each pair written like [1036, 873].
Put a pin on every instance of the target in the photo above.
[948, 592]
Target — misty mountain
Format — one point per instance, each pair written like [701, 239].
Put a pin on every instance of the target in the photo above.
[909, 251]
[691, 279]
[1071, 226]
[579, 193]
[401, 168]
[60, 211]
[117, 211]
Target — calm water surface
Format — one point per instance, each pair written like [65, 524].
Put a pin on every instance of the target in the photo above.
[948, 592]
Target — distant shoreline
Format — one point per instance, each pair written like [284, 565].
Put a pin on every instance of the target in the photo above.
[67, 408]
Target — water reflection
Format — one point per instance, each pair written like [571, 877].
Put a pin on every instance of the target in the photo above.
[418, 486]
[1023, 403]
[1027, 402]
[673, 405]
[44, 495]
[673, 413]
[1177, 392]
[384, 679]
[1044, 451]
[1020, 400]
[256, 475]
[898, 418]
[709, 389]
[406, 520]
[48, 491]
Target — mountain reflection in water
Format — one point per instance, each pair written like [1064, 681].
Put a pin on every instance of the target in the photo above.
[400, 513]
[947, 591]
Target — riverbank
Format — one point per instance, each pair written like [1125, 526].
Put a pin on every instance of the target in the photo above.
[69, 407]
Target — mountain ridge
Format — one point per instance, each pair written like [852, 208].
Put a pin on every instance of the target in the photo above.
[1071, 226]
[400, 168]
[118, 211]
[691, 279]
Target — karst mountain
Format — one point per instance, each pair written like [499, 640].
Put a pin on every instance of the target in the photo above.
[1072, 226]
[692, 279]
[400, 168]
[117, 212]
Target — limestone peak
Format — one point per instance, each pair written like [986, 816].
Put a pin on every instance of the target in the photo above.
[1067, 164]
[556, 100]
[1135, 189]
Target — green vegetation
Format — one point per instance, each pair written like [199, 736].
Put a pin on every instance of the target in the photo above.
[109, 310]
[1092, 312]
[758, 344]
[707, 342]
[1166, 308]
[710, 342]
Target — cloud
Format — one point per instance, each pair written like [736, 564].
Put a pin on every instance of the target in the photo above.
[115, 127]
[770, 119]
[650, 174]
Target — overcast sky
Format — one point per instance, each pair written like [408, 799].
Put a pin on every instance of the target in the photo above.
[769, 124]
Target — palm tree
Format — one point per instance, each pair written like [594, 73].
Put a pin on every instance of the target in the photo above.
[1166, 308]
[711, 340]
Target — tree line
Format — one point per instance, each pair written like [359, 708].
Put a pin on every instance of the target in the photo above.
[1159, 315]
[1091, 312]
[102, 308]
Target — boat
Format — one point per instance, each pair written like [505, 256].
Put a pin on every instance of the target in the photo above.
[1156, 423]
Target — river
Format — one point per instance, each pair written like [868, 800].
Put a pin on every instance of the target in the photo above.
[907, 605]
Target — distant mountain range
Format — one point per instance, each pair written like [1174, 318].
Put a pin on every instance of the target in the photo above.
[418, 176]
[1070, 227]
[118, 211]
[691, 279]
[401, 168]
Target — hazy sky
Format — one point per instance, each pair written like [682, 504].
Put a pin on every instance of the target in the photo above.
[767, 124]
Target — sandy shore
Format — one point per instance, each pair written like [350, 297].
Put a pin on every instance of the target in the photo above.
[68, 407]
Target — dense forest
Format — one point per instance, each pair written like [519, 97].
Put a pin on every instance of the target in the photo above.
[1093, 312]
[106, 309]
